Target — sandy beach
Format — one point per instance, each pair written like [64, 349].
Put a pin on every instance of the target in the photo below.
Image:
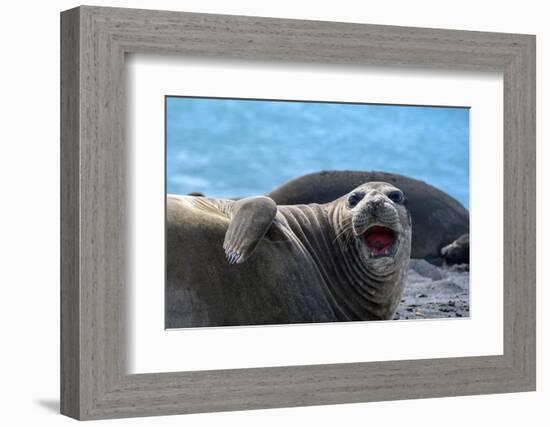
[435, 292]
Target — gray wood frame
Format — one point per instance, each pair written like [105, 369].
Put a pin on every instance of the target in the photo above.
[94, 41]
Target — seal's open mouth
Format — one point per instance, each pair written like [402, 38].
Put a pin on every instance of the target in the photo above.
[381, 241]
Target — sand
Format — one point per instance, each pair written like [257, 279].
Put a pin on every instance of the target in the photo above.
[435, 292]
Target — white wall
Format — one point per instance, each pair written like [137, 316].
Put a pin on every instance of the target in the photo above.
[29, 229]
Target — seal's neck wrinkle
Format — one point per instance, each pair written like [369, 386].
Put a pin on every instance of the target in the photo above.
[341, 221]
[359, 292]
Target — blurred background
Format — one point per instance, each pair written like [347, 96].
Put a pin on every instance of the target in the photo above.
[239, 147]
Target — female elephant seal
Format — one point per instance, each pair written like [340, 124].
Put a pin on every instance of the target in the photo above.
[250, 262]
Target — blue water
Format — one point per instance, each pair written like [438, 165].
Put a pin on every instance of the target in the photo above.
[230, 148]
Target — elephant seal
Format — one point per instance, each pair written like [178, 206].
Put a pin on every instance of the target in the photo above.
[250, 261]
[438, 219]
[457, 252]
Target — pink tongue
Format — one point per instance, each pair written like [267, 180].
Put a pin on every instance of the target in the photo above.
[379, 240]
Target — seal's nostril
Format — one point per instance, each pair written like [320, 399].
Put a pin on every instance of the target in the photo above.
[375, 204]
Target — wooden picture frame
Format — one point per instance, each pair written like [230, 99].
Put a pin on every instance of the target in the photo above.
[94, 41]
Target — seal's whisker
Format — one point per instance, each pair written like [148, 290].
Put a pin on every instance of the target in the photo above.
[343, 230]
[344, 226]
[346, 222]
[345, 238]
[338, 236]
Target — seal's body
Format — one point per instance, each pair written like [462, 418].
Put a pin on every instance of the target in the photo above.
[438, 219]
[250, 262]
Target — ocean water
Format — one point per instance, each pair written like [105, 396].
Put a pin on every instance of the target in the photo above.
[237, 148]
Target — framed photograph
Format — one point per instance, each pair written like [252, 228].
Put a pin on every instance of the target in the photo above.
[263, 213]
[316, 216]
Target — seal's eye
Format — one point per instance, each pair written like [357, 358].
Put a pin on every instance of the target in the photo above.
[396, 196]
[354, 198]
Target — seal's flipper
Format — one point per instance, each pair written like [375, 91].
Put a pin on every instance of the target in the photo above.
[250, 220]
